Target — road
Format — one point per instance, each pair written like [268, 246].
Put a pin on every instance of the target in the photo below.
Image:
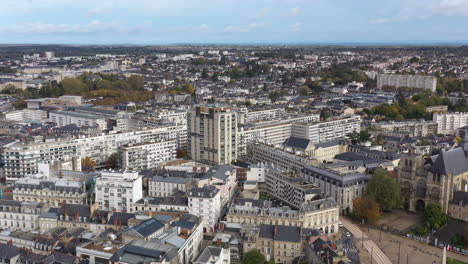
[349, 246]
[378, 256]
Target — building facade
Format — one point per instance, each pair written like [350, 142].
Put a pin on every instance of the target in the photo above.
[118, 190]
[148, 155]
[449, 123]
[205, 202]
[212, 135]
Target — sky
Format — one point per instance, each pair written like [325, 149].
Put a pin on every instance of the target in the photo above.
[233, 21]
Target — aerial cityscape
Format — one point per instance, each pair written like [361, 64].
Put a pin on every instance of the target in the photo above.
[247, 135]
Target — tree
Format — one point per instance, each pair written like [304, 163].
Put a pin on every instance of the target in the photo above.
[73, 86]
[325, 113]
[204, 74]
[87, 164]
[304, 90]
[113, 160]
[254, 257]
[190, 88]
[366, 208]
[385, 190]
[136, 82]
[434, 216]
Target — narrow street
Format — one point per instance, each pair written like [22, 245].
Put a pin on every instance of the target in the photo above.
[378, 256]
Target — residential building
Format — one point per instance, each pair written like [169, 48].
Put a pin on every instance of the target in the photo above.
[408, 81]
[343, 188]
[289, 187]
[419, 128]
[212, 135]
[214, 255]
[205, 202]
[150, 205]
[328, 130]
[20, 215]
[320, 214]
[458, 206]
[118, 190]
[52, 192]
[147, 155]
[164, 186]
[282, 243]
[64, 118]
[224, 179]
[448, 123]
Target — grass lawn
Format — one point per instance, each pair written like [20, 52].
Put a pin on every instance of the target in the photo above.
[454, 261]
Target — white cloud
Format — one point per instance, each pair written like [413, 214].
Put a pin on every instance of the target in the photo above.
[91, 27]
[296, 27]
[262, 13]
[294, 11]
[381, 20]
[95, 11]
[452, 7]
[244, 28]
[204, 27]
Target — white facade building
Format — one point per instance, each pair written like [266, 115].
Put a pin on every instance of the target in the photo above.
[118, 190]
[449, 123]
[142, 156]
[410, 81]
[206, 203]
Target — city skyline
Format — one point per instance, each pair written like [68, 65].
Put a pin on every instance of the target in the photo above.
[147, 22]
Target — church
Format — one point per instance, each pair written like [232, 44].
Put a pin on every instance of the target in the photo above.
[433, 179]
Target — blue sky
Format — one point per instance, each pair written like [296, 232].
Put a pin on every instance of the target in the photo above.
[233, 21]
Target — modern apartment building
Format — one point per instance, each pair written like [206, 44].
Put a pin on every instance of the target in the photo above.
[205, 202]
[212, 135]
[147, 155]
[164, 186]
[343, 188]
[328, 130]
[449, 123]
[52, 192]
[409, 81]
[280, 159]
[21, 158]
[419, 128]
[64, 118]
[289, 187]
[118, 190]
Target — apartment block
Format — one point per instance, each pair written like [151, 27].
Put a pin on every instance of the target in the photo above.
[289, 187]
[118, 190]
[148, 155]
[449, 123]
[409, 81]
[212, 135]
[52, 192]
[205, 202]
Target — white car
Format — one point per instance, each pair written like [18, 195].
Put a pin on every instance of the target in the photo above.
[348, 234]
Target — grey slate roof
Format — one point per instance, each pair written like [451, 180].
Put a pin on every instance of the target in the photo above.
[460, 198]
[208, 252]
[9, 251]
[146, 228]
[204, 192]
[176, 180]
[327, 144]
[450, 162]
[316, 205]
[295, 142]
[281, 233]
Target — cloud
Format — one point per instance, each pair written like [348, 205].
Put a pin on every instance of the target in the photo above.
[95, 11]
[381, 20]
[293, 11]
[244, 28]
[94, 26]
[296, 27]
[452, 7]
[204, 28]
[262, 13]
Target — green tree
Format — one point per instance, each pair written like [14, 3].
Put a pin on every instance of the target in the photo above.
[254, 257]
[366, 208]
[87, 164]
[113, 160]
[204, 74]
[385, 190]
[190, 88]
[73, 86]
[434, 216]
[136, 82]
[304, 90]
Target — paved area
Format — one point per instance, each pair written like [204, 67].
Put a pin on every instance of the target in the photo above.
[377, 255]
[349, 245]
[408, 250]
[400, 220]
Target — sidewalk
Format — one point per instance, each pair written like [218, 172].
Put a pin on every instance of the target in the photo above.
[377, 254]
